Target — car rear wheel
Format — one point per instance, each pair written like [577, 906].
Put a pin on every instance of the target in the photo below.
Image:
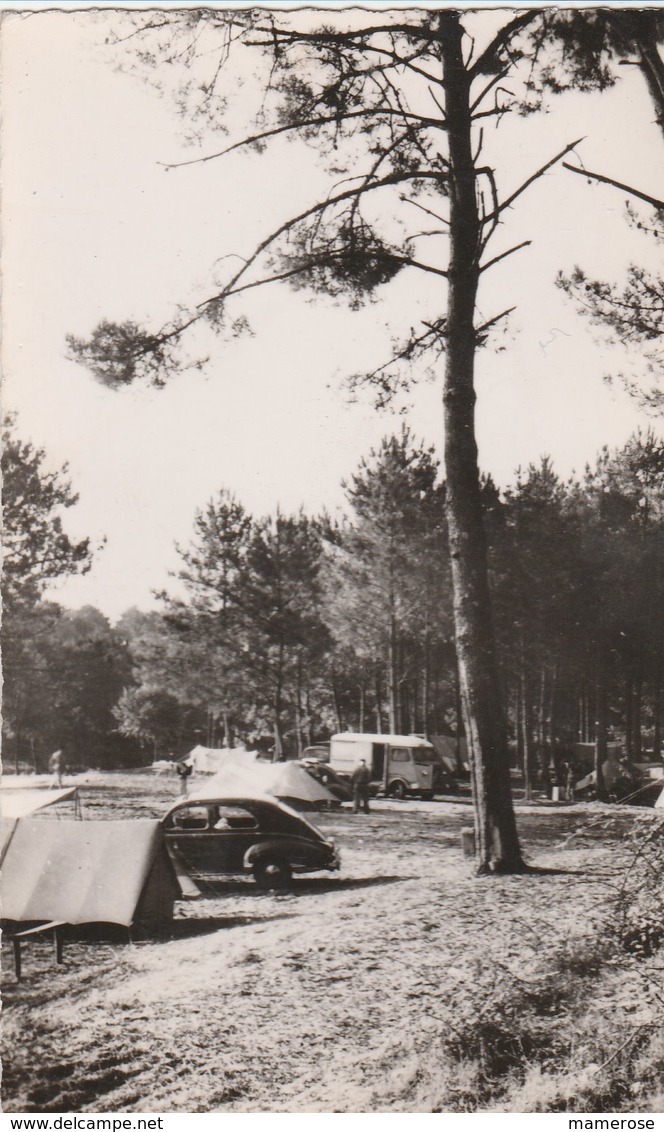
[272, 873]
[397, 790]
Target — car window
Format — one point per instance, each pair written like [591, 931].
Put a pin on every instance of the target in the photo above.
[233, 817]
[400, 755]
[190, 817]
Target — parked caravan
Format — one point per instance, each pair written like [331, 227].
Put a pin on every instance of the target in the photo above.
[399, 764]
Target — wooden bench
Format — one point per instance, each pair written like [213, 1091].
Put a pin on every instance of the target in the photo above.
[52, 926]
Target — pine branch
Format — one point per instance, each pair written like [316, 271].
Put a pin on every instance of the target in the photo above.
[501, 40]
[321, 206]
[317, 261]
[306, 123]
[604, 180]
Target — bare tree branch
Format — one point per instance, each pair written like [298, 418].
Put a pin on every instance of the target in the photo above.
[504, 255]
[659, 204]
[492, 321]
[530, 180]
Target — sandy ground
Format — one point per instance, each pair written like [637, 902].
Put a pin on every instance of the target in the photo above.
[371, 990]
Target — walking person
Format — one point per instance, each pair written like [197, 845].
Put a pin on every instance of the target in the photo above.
[183, 771]
[56, 765]
[360, 782]
[570, 781]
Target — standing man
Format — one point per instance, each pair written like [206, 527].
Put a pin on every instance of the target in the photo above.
[360, 783]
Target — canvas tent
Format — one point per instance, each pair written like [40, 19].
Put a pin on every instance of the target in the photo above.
[115, 872]
[285, 781]
[211, 760]
[453, 752]
[22, 803]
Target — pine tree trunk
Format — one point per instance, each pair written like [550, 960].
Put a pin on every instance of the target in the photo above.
[629, 726]
[337, 708]
[636, 713]
[657, 712]
[518, 733]
[278, 750]
[651, 64]
[497, 843]
[542, 753]
[526, 739]
[458, 709]
[554, 758]
[298, 707]
[426, 664]
[307, 725]
[379, 707]
[601, 745]
[278, 742]
[392, 680]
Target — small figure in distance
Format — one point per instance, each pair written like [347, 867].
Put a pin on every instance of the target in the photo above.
[570, 781]
[56, 766]
[360, 782]
[183, 771]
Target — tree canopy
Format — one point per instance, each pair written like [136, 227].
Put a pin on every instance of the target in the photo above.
[36, 546]
[397, 105]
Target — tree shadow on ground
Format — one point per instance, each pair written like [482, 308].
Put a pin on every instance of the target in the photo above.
[550, 871]
[299, 886]
[189, 926]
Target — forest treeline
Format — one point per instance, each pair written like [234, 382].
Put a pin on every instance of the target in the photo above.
[280, 630]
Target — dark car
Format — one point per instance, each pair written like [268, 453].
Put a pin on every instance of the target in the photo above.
[338, 787]
[319, 753]
[213, 837]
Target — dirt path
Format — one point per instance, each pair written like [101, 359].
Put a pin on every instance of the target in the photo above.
[344, 995]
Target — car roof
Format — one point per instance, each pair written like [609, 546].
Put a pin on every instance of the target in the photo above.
[243, 800]
[200, 798]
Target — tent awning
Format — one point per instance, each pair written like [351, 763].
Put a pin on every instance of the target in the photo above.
[86, 872]
[22, 803]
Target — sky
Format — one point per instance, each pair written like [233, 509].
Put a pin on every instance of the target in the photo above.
[94, 227]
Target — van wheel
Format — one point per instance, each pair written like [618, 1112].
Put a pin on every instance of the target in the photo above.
[270, 873]
[397, 790]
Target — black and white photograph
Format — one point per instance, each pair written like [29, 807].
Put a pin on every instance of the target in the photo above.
[333, 559]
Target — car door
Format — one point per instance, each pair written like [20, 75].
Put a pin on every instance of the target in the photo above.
[236, 829]
[189, 831]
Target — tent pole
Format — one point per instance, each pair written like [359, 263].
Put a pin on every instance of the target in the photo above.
[17, 958]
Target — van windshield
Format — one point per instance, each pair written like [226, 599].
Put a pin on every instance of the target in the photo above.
[422, 755]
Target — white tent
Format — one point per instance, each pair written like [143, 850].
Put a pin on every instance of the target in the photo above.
[210, 760]
[286, 781]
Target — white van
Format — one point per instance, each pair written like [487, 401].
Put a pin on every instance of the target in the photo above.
[399, 764]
